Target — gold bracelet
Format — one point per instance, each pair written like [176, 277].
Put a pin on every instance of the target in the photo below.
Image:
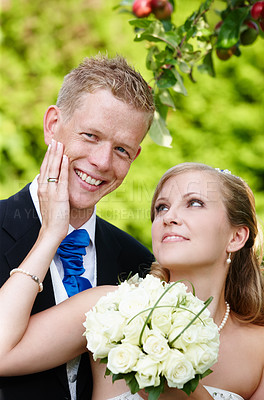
[34, 277]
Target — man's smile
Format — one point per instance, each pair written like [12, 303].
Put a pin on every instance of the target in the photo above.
[87, 178]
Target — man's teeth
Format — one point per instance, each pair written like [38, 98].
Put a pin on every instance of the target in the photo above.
[88, 179]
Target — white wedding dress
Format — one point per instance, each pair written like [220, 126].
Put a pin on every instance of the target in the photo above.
[217, 394]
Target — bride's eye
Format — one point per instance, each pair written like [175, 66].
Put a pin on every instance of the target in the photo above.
[195, 203]
[161, 207]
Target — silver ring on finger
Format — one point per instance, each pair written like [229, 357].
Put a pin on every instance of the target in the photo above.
[52, 180]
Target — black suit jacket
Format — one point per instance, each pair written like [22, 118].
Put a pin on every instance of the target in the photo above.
[117, 254]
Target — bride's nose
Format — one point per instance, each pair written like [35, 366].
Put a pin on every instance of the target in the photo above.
[172, 217]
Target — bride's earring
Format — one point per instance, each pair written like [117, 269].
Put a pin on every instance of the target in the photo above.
[229, 259]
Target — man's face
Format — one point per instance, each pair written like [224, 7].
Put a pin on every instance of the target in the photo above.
[101, 140]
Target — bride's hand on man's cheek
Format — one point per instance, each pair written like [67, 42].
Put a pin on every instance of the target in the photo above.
[53, 190]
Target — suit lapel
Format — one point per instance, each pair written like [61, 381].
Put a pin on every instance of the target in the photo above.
[107, 253]
[21, 222]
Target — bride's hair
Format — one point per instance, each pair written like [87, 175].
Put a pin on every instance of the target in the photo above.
[244, 288]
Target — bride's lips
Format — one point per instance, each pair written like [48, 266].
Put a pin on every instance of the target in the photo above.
[89, 179]
[173, 237]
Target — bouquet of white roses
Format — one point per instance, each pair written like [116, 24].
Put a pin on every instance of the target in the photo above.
[149, 333]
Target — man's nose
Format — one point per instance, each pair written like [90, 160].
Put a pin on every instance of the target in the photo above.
[102, 157]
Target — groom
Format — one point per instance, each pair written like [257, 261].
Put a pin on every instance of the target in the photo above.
[103, 111]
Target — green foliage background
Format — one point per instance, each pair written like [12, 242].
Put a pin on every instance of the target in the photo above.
[220, 122]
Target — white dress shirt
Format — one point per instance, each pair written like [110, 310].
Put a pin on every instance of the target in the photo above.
[57, 274]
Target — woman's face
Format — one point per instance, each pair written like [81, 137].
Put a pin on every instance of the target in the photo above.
[190, 226]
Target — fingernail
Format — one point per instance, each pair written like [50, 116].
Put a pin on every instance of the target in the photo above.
[65, 158]
[59, 144]
[52, 142]
[49, 146]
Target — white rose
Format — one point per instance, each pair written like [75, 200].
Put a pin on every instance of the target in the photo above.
[202, 357]
[208, 333]
[181, 317]
[175, 295]
[174, 332]
[108, 302]
[190, 335]
[122, 358]
[147, 372]
[110, 324]
[156, 346]
[134, 302]
[133, 330]
[177, 369]
[161, 319]
[153, 286]
[98, 345]
[91, 321]
[196, 305]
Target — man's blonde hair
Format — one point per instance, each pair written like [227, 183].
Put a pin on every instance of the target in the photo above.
[101, 72]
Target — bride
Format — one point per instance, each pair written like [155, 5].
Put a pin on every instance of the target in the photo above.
[204, 231]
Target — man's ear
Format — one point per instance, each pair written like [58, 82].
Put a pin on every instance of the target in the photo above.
[50, 123]
[137, 154]
[240, 236]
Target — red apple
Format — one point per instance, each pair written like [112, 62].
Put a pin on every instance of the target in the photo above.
[164, 12]
[257, 10]
[158, 4]
[142, 8]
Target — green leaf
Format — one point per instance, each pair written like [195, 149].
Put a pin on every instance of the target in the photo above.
[166, 99]
[158, 132]
[141, 22]
[155, 391]
[154, 31]
[206, 373]
[179, 85]
[184, 67]
[207, 65]
[230, 29]
[132, 384]
[191, 32]
[151, 62]
[167, 79]
[205, 6]
[190, 386]
[104, 360]
[116, 377]
[173, 38]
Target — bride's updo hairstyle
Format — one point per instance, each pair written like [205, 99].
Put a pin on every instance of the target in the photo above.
[244, 288]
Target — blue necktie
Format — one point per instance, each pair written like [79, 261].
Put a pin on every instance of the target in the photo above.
[71, 252]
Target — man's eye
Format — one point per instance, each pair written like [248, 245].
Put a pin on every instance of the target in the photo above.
[195, 203]
[122, 150]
